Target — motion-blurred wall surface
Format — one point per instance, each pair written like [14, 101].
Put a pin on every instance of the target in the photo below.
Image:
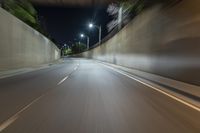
[160, 41]
[22, 46]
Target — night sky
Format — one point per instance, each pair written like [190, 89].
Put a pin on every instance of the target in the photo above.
[64, 24]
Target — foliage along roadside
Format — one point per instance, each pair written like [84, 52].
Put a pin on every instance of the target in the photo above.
[26, 12]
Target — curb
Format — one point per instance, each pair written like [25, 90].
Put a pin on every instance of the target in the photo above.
[185, 91]
[15, 72]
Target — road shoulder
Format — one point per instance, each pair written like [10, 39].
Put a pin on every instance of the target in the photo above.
[15, 72]
[184, 91]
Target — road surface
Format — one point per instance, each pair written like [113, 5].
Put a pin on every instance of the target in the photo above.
[83, 96]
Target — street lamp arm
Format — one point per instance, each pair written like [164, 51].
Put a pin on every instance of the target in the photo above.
[96, 26]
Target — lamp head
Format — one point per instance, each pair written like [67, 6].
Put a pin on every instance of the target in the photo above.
[91, 25]
[82, 35]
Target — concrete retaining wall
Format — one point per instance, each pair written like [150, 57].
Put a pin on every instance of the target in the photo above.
[160, 41]
[22, 46]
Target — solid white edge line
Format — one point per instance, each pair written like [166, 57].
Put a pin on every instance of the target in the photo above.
[161, 91]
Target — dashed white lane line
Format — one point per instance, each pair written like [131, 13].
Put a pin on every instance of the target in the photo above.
[12, 119]
[76, 67]
[5, 124]
[65, 78]
[156, 89]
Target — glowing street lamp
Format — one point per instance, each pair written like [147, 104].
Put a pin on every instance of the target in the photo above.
[91, 25]
[88, 40]
[82, 36]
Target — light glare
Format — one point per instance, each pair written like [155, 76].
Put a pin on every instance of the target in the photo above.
[91, 25]
[82, 35]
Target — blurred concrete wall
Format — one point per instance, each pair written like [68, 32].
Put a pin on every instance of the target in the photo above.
[160, 41]
[22, 46]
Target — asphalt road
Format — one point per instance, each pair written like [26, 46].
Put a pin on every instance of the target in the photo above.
[82, 96]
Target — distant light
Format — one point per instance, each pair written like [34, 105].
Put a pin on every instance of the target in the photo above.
[91, 25]
[82, 35]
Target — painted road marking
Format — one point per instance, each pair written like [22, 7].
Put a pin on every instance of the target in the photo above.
[5, 124]
[161, 91]
[12, 119]
[65, 78]
[76, 67]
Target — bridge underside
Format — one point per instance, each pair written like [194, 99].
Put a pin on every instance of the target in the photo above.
[72, 2]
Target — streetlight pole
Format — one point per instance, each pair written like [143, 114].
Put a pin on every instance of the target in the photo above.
[100, 30]
[88, 40]
[91, 25]
[88, 43]
[62, 49]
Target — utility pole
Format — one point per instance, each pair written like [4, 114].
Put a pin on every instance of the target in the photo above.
[88, 40]
[88, 43]
[91, 25]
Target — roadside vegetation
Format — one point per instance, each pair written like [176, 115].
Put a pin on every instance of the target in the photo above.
[75, 49]
[123, 11]
[25, 11]
[136, 6]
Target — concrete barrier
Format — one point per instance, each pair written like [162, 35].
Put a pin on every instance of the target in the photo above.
[22, 46]
[161, 41]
